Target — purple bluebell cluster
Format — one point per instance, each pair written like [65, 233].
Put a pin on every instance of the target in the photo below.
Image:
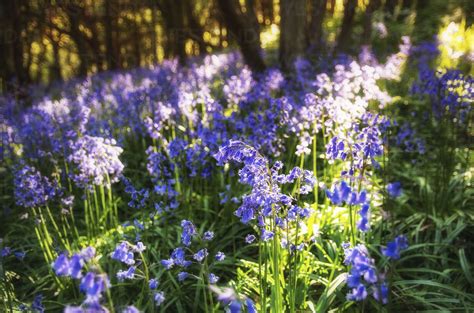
[179, 121]
[343, 193]
[450, 92]
[124, 252]
[233, 301]
[363, 277]
[394, 247]
[32, 189]
[92, 284]
[178, 255]
[72, 267]
[266, 198]
[96, 161]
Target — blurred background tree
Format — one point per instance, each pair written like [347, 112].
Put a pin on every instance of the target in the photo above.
[42, 41]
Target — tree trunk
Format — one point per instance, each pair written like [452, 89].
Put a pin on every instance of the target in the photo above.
[318, 12]
[195, 31]
[344, 39]
[154, 37]
[332, 8]
[8, 35]
[367, 24]
[136, 42]
[242, 27]
[172, 13]
[267, 11]
[73, 12]
[112, 49]
[292, 32]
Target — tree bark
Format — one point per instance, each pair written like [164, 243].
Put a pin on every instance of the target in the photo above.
[367, 24]
[111, 45]
[73, 11]
[8, 35]
[267, 11]
[344, 39]
[242, 27]
[172, 13]
[136, 42]
[195, 31]
[292, 32]
[154, 37]
[318, 12]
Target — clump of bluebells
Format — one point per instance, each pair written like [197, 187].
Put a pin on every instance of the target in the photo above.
[32, 189]
[183, 258]
[96, 161]
[92, 284]
[266, 199]
[185, 119]
[363, 278]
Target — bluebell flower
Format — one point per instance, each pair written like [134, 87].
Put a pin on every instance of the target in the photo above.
[37, 304]
[394, 189]
[138, 224]
[220, 256]
[235, 306]
[130, 309]
[250, 238]
[363, 223]
[267, 235]
[153, 283]
[123, 254]
[140, 247]
[182, 276]
[250, 306]
[209, 235]
[213, 278]
[353, 279]
[61, 265]
[189, 231]
[381, 293]
[6, 251]
[31, 189]
[370, 275]
[128, 274]
[159, 297]
[93, 285]
[168, 264]
[88, 253]
[96, 160]
[75, 266]
[358, 293]
[178, 257]
[394, 248]
[200, 255]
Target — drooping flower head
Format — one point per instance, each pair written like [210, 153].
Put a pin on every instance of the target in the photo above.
[96, 160]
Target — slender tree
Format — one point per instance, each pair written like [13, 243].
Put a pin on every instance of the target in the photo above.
[111, 42]
[172, 13]
[74, 12]
[344, 38]
[292, 31]
[367, 22]
[315, 33]
[244, 29]
[267, 11]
